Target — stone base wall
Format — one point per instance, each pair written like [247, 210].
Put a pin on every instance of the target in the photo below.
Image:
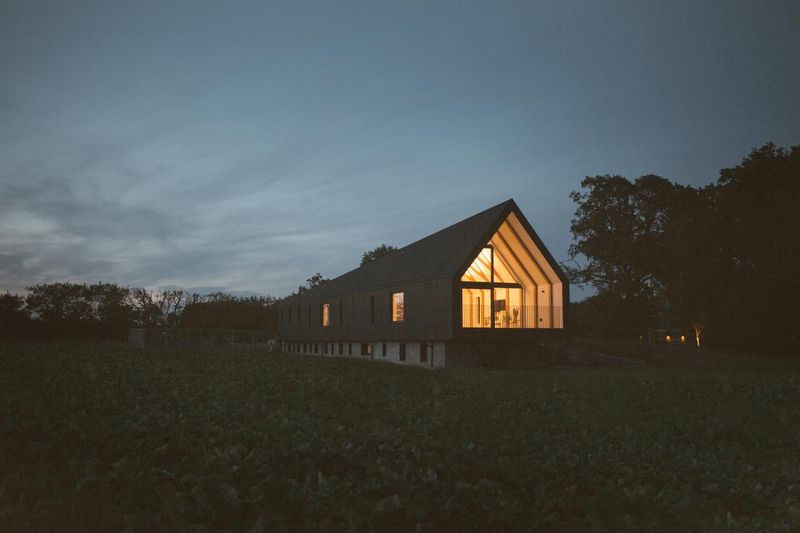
[389, 352]
[486, 354]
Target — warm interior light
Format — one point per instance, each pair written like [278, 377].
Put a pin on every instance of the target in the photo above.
[398, 308]
[683, 339]
[669, 339]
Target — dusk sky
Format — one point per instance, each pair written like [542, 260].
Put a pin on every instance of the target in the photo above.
[243, 146]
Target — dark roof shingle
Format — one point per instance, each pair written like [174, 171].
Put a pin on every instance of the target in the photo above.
[438, 255]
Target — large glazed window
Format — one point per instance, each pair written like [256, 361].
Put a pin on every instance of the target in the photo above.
[510, 284]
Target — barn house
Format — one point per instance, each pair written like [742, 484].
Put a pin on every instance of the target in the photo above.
[480, 291]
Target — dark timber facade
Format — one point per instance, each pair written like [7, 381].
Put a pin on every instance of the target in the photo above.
[478, 291]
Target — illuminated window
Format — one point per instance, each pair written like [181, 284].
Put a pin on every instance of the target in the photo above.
[397, 307]
[326, 317]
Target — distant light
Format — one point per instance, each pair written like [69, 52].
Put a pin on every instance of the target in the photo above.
[683, 339]
[669, 339]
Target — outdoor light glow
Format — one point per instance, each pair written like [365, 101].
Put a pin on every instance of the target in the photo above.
[669, 339]
[683, 339]
[698, 329]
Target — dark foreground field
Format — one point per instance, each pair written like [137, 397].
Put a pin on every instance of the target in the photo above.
[100, 436]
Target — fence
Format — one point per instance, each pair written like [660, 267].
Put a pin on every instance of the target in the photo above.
[204, 336]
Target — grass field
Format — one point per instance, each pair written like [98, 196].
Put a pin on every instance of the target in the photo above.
[101, 436]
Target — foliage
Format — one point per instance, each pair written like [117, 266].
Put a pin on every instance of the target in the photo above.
[220, 310]
[103, 437]
[377, 252]
[70, 309]
[14, 318]
[314, 281]
[665, 255]
[107, 310]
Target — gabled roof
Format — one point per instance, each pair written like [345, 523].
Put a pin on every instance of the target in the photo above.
[441, 254]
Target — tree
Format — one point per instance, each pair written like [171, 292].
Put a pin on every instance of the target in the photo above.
[80, 310]
[314, 281]
[722, 259]
[620, 230]
[14, 317]
[220, 310]
[170, 303]
[144, 310]
[756, 251]
[377, 252]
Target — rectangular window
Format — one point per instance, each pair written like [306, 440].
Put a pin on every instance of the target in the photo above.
[402, 351]
[366, 348]
[349, 348]
[383, 350]
[398, 313]
[326, 317]
[341, 348]
[423, 352]
[304, 348]
[372, 309]
[316, 347]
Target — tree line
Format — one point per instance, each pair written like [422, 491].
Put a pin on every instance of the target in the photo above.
[721, 260]
[107, 310]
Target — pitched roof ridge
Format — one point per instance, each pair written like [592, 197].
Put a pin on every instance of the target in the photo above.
[396, 259]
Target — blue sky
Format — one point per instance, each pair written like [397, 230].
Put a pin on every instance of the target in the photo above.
[244, 146]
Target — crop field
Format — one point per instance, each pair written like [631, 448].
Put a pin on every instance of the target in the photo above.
[103, 436]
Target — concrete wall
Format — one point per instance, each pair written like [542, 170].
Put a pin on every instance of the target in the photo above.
[437, 357]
